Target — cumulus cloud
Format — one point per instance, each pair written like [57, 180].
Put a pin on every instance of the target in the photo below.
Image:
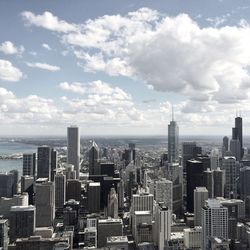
[48, 21]
[8, 72]
[44, 66]
[9, 48]
[46, 46]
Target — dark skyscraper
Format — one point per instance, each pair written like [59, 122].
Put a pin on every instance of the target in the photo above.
[237, 133]
[44, 162]
[225, 142]
[94, 167]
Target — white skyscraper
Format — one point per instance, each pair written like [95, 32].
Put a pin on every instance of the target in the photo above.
[74, 148]
[173, 141]
[214, 159]
[200, 196]
[163, 225]
[142, 202]
[214, 222]
[164, 192]
[113, 204]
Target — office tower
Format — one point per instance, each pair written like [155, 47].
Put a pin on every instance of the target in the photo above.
[45, 203]
[187, 152]
[237, 134]
[29, 164]
[90, 233]
[194, 179]
[73, 190]
[27, 185]
[113, 204]
[53, 163]
[74, 148]
[174, 173]
[16, 200]
[225, 145]
[106, 228]
[173, 142]
[231, 167]
[6, 185]
[15, 174]
[214, 222]
[69, 171]
[142, 202]
[219, 182]
[235, 149]
[142, 226]
[44, 162]
[193, 238]
[130, 154]
[4, 236]
[164, 193]
[94, 197]
[200, 196]
[208, 176]
[120, 190]
[107, 168]
[94, 167]
[244, 183]
[60, 190]
[214, 159]
[22, 222]
[163, 225]
[70, 217]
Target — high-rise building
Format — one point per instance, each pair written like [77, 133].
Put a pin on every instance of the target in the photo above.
[22, 222]
[113, 204]
[142, 202]
[214, 159]
[74, 148]
[27, 185]
[187, 152]
[219, 182]
[235, 148]
[237, 133]
[193, 238]
[44, 162]
[94, 167]
[163, 225]
[200, 196]
[45, 203]
[120, 190]
[29, 164]
[73, 190]
[4, 234]
[94, 197]
[15, 174]
[208, 176]
[231, 167]
[225, 145]
[60, 190]
[173, 142]
[164, 192]
[6, 185]
[194, 179]
[214, 222]
[53, 163]
[244, 183]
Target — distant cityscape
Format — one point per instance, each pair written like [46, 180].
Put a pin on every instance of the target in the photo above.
[173, 194]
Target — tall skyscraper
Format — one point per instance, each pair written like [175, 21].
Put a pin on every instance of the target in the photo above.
[113, 204]
[4, 234]
[214, 222]
[208, 176]
[188, 149]
[94, 197]
[22, 222]
[200, 196]
[214, 158]
[142, 202]
[235, 148]
[29, 164]
[44, 162]
[60, 190]
[219, 182]
[194, 179]
[173, 141]
[237, 134]
[53, 163]
[6, 185]
[74, 148]
[94, 167]
[245, 183]
[45, 203]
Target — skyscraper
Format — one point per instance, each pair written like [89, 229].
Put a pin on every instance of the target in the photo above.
[113, 204]
[94, 197]
[74, 148]
[44, 162]
[29, 164]
[219, 182]
[187, 152]
[200, 196]
[6, 185]
[53, 163]
[214, 158]
[94, 167]
[4, 237]
[237, 133]
[60, 190]
[173, 142]
[214, 222]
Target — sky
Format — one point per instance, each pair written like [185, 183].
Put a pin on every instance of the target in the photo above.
[117, 67]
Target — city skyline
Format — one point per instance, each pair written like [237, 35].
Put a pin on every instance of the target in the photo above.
[101, 69]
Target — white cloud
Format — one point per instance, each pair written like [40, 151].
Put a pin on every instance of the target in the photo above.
[8, 72]
[48, 21]
[44, 66]
[46, 46]
[9, 48]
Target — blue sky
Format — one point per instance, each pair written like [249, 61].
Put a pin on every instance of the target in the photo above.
[116, 67]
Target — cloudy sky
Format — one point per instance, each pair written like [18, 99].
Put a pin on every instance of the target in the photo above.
[117, 66]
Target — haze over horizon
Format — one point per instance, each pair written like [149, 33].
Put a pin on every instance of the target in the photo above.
[116, 67]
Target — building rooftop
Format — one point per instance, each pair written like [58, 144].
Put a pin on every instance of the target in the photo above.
[118, 239]
[22, 208]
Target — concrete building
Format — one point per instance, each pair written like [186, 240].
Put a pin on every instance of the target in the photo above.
[193, 238]
[73, 190]
[6, 185]
[22, 222]
[44, 162]
[45, 204]
[113, 204]
[4, 234]
[94, 197]
[142, 202]
[73, 156]
[214, 222]
[214, 159]
[106, 228]
[208, 177]
[200, 197]
[219, 182]
[60, 190]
